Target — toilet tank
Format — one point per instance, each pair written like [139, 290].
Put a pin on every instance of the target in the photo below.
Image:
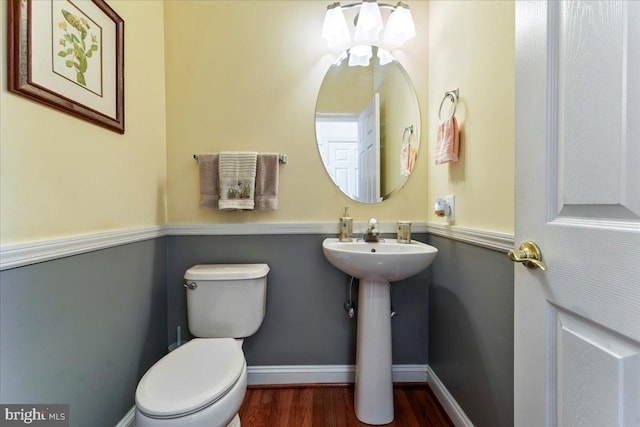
[226, 300]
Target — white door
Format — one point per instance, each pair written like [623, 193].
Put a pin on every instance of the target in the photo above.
[577, 325]
[343, 165]
[338, 142]
[369, 152]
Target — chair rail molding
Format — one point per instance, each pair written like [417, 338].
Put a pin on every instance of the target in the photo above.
[23, 254]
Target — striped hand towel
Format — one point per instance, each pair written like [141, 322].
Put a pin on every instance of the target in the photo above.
[237, 176]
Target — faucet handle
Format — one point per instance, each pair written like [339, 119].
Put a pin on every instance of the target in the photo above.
[372, 223]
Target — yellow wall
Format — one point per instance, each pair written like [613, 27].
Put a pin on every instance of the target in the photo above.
[397, 112]
[245, 75]
[63, 176]
[472, 46]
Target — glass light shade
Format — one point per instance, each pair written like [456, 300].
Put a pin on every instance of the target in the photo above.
[360, 55]
[400, 27]
[343, 55]
[385, 56]
[335, 28]
[369, 23]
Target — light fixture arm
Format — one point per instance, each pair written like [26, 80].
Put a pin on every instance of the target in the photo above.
[380, 5]
[354, 5]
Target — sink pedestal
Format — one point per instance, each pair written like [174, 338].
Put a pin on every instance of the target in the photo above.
[374, 383]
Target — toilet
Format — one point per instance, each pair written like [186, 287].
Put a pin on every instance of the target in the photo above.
[203, 382]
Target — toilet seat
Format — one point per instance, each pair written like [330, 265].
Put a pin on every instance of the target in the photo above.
[190, 378]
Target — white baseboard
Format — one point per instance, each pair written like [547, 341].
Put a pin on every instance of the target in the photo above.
[328, 374]
[129, 420]
[317, 374]
[451, 407]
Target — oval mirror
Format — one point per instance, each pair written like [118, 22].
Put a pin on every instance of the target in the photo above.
[368, 126]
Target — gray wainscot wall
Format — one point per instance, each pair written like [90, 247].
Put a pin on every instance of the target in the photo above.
[471, 329]
[83, 330]
[305, 321]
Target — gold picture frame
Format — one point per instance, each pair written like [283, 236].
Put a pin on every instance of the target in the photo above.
[69, 54]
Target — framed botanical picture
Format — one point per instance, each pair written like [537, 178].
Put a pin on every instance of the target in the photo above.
[69, 54]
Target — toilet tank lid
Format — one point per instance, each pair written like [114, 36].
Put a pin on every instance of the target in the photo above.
[226, 271]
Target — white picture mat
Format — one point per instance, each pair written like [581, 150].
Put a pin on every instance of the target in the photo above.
[42, 57]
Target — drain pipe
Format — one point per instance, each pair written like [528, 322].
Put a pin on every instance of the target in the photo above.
[348, 304]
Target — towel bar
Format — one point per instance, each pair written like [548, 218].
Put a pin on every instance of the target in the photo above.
[282, 158]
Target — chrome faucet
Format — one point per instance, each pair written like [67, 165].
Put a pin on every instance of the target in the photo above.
[372, 234]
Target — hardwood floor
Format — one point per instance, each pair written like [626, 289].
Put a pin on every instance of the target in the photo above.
[330, 405]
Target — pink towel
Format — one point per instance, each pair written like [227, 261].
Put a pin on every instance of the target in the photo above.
[407, 159]
[208, 170]
[447, 141]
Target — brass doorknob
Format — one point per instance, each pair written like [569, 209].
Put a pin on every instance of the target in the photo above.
[529, 255]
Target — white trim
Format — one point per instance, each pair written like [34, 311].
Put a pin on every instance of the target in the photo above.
[232, 229]
[487, 239]
[129, 419]
[22, 254]
[327, 374]
[338, 374]
[451, 407]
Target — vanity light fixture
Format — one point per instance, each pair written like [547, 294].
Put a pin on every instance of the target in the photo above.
[384, 56]
[400, 27]
[335, 28]
[368, 25]
[360, 55]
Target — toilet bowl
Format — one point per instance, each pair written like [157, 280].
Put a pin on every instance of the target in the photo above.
[203, 382]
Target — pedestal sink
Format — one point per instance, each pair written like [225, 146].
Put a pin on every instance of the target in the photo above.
[376, 264]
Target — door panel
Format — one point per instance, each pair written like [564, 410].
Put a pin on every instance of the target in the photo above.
[343, 165]
[595, 55]
[609, 393]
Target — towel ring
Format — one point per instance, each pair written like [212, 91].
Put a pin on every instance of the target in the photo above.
[410, 130]
[453, 94]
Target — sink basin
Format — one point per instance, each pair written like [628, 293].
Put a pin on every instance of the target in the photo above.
[386, 260]
[376, 264]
